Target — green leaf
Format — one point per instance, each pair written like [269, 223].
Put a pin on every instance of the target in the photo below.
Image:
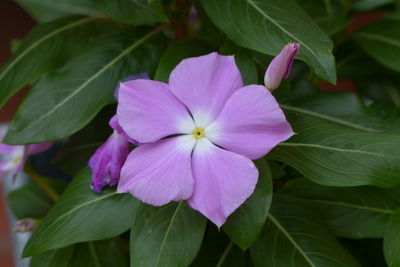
[178, 51]
[346, 146]
[247, 222]
[391, 241]
[47, 10]
[266, 26]
[81, 215]
[81, 88]
[103, 253]
[47, 46]
[30, 201]
[294, 236]
[218, 250]
[133, 11]
[58, 257]
[167, 236]
[381, 40]
[356, 212]
[330, 15]
[367, 5]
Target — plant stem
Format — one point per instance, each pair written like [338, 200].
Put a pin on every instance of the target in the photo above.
[38, 179]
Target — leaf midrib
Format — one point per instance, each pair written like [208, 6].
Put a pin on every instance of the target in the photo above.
[345, 204]
[167, 233]
[328, 118]
[258, 9]
[41, 40]
[290, 238]
[338, 149]
[93, 77]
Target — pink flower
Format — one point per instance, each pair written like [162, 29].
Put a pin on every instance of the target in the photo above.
[107, 161]
[12, 158]
[198, 135]
[279, 67]
[25, 225]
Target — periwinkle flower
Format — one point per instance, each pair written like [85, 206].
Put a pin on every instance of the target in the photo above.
[108, 159]
[198, 135]
[25, 225]
[13, 157]
[279, 67]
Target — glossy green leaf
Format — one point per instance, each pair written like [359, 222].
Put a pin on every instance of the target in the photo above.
[47, 10]
[367, 5]
[217, 250]
[353, 212]
[30, 201]
[381, 40]
[81, 88]
[246, 223]
[47, 46]
[178, 51]
[133, 11]
[266, 26]
[167, 236]
[58, 257]
[81, 215]
[294, 236]
[346, 146]
[103, 253]
[391, 239]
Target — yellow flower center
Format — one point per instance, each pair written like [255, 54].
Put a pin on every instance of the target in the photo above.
[198, 133]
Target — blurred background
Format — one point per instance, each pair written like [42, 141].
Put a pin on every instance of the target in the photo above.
[15, 24]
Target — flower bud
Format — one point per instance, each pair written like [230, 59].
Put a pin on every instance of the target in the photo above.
[279, 67]
[107, 161]
[25, 225]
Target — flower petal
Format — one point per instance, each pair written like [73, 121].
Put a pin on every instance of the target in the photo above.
[148, 111]
[114, 124]
[107, 161]
[159, 172]
[223, 181]
[204, 84]
[251, 123]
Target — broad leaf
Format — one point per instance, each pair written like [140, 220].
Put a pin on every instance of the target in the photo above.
[103, 253]
[367, 5]
[47, 46]
[133, 11]
[178, 51]
[246, 223]
[266, 26]
[353, 212]
[167, 236]
[81, 88]
[294, 236]
[381, 40]
[391, 243]
[47, 10]
[346, 146]
[30, 201]
[81, 215]
[218, 250]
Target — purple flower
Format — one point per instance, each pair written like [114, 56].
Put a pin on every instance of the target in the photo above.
[198, 135]
[108, 159]
[142, 75]
[279, 67]
[25, 225]
[12, 158]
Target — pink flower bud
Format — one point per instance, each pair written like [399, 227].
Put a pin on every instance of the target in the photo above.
[25, 225]
[279, 67]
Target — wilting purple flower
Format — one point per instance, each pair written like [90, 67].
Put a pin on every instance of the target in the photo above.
[12, 158]
[25, 225]
[203, 156]
[279, 67]
[107, 161]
